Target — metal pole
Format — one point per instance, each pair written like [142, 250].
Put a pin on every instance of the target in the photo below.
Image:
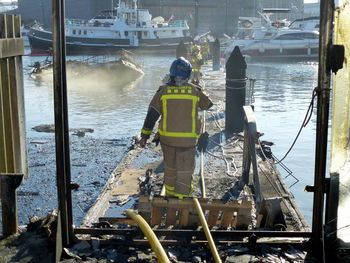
[324, 78]
[235, 92]
[61, 122]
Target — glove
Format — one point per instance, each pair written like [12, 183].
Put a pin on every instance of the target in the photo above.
[156, 138]
[203, 142]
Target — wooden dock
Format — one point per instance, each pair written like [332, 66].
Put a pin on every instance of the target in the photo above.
[140, 175]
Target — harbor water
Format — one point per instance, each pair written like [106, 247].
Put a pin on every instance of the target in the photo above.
[282, 95]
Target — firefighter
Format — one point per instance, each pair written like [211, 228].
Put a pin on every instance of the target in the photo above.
[205, 50]
[177, 103]
[196, 61]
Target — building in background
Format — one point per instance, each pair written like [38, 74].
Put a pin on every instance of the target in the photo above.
[41, 10]
[312, 9]
[218, 16]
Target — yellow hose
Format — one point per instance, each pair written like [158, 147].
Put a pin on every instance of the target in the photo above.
[206, 231]
[152, 238]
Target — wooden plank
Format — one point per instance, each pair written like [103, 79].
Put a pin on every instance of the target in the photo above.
[171, 217]
[117, 220]
[244, 218]
[213, 217]
[214, 212]
[11, 47]
[16, 132]
[128, 182]
[7, 114]
[156, 216]
[17, 25]
[3, 158]
[9, 26]
[227, 218]
[171, 213]
[3, 27]
[21, 116]
[188, 203]
[184, 213]
[144, 208]
[246, 159]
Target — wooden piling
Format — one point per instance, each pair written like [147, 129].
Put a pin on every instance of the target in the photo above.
[216, 55]
[181, 50]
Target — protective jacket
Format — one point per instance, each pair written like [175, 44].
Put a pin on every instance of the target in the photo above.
[196, 62]
[178, 107]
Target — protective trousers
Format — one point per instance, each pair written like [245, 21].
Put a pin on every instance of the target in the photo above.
[179, 163]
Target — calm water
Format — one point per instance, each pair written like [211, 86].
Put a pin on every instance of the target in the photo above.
[115, 112]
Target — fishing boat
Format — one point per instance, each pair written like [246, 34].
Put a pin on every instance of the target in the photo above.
[266, 39]
[126, 26]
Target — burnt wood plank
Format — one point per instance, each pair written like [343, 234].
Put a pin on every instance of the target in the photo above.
[184, 217]
[156, 216]
[227, 218]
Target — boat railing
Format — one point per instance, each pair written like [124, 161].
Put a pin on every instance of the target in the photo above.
[82, 22]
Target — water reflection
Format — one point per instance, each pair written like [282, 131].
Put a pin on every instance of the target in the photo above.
[282, 96]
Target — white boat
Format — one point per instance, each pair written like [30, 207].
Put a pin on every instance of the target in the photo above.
[125, 26]
[8, 5]
[264, 39]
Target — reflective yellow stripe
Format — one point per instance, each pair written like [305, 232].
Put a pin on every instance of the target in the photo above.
[179, 134]
[165, 99]
[168, 187]
[147, 132]
[180, 196]
[178, 87]
[196, 69]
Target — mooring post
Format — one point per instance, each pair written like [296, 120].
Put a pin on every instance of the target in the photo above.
[181, 50]
[235, 92]
[216, 55]
[9, 184]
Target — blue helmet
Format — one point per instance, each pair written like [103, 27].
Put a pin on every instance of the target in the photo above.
[181, 68]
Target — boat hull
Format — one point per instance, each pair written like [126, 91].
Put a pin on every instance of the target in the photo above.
[284, 54]
[41, 42]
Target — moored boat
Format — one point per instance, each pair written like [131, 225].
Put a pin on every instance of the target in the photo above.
[264, 39]
[126, 26]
